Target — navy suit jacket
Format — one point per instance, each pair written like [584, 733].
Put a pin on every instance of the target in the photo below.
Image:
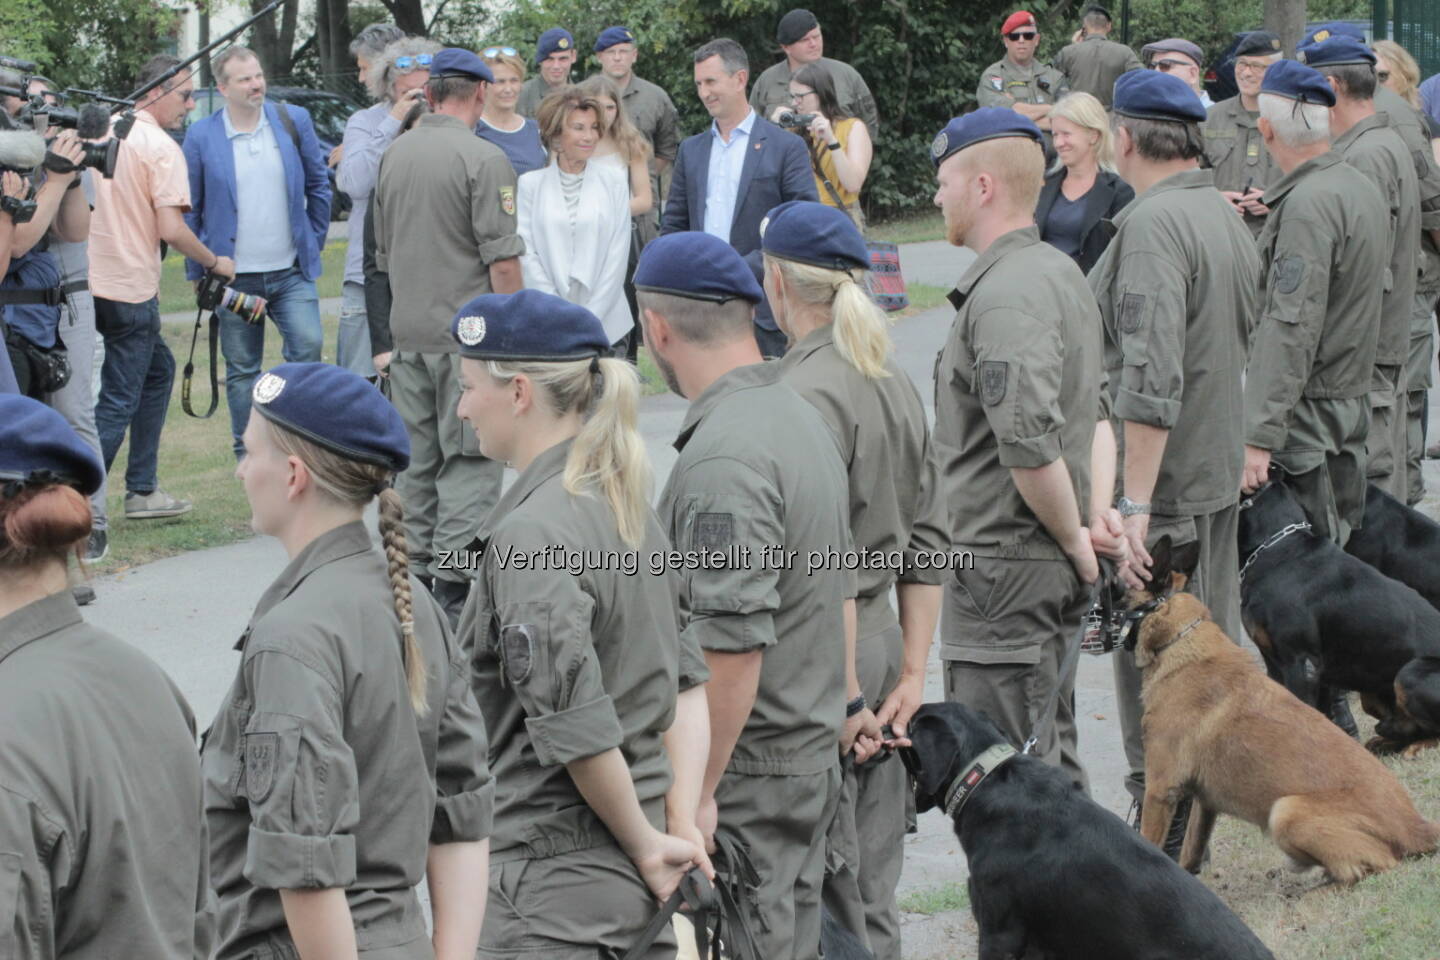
[777, 168]
[213, 215]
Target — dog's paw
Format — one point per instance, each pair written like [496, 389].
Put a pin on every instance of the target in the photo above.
[1414, 750]
[1383, 746]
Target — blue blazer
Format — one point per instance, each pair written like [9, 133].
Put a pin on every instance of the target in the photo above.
[211, 161]
[777, 169]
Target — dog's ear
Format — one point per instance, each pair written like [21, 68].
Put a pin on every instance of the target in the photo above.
[1183, 561]
[935, 746]
[1160, 564]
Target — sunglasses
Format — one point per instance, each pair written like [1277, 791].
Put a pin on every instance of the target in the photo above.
[406, 64]
[1018, 35]
[1165, 66]
[490, 53]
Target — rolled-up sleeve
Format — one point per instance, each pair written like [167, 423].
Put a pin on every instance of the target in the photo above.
[492, 211]
[1150, 323]
[1018, 368]
[464, 788]
[300, 779]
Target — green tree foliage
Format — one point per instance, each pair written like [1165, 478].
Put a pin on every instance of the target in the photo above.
[98, 45]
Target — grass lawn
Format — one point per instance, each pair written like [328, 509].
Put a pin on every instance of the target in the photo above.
[178, 294]
[932, 900]
[912, 229]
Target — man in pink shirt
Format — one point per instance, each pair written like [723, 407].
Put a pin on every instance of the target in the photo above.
[134, 212]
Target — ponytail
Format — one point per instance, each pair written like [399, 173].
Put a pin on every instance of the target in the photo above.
[862, 334]
[353, 482]
[608, 453]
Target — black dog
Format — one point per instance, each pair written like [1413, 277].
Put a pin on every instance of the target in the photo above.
[1054, 874]
[1400, 542]
[1324, 619]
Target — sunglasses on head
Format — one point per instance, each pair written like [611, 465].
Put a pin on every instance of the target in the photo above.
[493, 52]
[406, 64]
[1165, 66]
[1018, 35]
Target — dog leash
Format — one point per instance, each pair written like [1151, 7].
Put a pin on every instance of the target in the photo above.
[695, 892]
[1270, 541]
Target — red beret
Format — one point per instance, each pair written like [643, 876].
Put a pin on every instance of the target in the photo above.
[1020, 18]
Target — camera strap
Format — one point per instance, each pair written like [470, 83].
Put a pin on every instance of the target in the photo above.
[190, 368]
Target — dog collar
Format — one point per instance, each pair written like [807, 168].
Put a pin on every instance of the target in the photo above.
[1270, 541]
[974, 774]
[1181, 633]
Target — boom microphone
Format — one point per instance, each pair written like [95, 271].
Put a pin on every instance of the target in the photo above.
[20, 66]
[94, 122]
[21, 150]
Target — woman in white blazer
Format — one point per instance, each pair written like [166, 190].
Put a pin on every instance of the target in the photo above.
[575, 216]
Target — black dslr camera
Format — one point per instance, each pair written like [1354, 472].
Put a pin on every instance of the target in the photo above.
[213, 294]
[791, 120]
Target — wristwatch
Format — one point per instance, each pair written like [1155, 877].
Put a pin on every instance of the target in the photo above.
[833, 146]
[1129, 508]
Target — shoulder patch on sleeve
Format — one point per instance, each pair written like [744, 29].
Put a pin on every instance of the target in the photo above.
[261, 751]
[1132, 312]
[1289, 271]
[714, 531]
[993, 374]
[517, 646]
[507, 200]
[997, 84]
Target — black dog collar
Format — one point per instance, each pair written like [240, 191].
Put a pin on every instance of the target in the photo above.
[974, 774]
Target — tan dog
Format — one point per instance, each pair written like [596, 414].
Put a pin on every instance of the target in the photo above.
[1217, 727]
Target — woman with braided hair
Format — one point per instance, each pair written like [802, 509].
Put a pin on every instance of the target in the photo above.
[598, 715]
[349, 757]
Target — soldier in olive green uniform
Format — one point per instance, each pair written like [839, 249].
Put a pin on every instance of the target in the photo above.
[577, 654]
[1018, 80]
[1234, 148]
[1362, 137]
[350, 743]
[799, 35]
[102, 842]
[815, 258]
[1177, 290]
[1017, 400]
[758, 469]
[1323, 264]
[445, 230]
[554, 55]
[1096, 62]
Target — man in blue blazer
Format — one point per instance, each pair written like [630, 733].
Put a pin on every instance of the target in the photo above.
[727, 178]
[260, 195]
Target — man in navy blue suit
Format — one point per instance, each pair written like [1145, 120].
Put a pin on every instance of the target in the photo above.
[727, 178]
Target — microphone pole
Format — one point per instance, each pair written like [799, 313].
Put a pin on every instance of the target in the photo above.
[185, 64]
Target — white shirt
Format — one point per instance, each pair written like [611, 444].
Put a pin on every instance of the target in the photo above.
[727, 161]
[262, 206]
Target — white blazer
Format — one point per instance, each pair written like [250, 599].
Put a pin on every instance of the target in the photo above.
[585, 265]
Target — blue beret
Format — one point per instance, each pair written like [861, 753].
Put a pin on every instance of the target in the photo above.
[455, 62]
[987, 123]
[1335, 28]
[1337, 51]
[698, 266]
[613, 36]
[528, 325]
[813, 233]
[1152, 95]
[1295, 81]
[554, 40]
[38, 446]
[335, 408]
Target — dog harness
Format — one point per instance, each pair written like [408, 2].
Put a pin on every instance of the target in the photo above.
[1270, 541]
[974, 774]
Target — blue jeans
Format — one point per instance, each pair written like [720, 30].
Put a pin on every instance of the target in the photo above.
[352, 342]
[134, 387]
[295, 307]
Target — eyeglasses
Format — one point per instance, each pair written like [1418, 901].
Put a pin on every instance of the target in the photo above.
[1382, 75]
[1017, 35]
[406, 64]
[490, 53]
[1251, 66]
[1165, 66]
[797, 97]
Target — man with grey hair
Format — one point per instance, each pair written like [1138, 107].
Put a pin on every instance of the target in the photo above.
[397, 90]
[728, 177]
[1323, 253]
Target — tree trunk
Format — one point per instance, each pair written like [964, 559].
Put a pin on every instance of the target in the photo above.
[273, 42]
[408, 16]
[332, 39]
[1286, 19]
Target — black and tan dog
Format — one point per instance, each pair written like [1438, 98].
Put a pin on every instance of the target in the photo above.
[1053, 874]
[1400, 542]
[1218, 729]
[1323, 618]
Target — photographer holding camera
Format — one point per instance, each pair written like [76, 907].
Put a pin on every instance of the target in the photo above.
[840, 145]
[134, 213]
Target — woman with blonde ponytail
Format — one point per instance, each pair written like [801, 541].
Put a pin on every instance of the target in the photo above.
[598, 715]
[840, 360]
[349, 758]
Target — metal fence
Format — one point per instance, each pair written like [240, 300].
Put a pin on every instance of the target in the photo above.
[1415, 25]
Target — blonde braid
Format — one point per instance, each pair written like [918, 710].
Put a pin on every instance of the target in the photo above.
[397, 556]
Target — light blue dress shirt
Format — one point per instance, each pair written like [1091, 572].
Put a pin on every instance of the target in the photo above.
[262, 225]
[727, 160]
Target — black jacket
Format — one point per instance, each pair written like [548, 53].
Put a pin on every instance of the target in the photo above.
[1107, 198]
